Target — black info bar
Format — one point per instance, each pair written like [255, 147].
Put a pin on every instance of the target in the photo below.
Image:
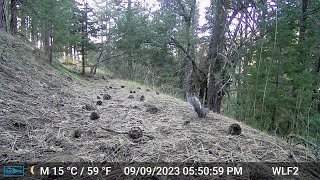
[161, 170]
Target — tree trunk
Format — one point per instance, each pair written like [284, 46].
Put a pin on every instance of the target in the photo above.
[301, 58]
[216, 47]
[46, 41]
[129, 52]
[3, 15]
[84, 31]
[95, 66]
[316, 91]
[83, 60]
[50, 44]
[188, 84]
[33, 32]
[14, 14]
[189, 78]
[23, 29]
[203, 91]
[303, 25]
[275, 105]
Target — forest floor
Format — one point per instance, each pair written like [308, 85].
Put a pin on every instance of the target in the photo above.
[45, 116]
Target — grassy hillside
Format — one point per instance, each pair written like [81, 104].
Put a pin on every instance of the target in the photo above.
[45, 117]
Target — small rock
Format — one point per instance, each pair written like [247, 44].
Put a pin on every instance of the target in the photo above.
[19, 125]
[157, 93]
[106, 97]
[122, 86]
[153, 110]
[94, 116]
[138, 87]
[131, 91]
[134, 91]
[136, 107]
[99, 103]
[148, 90]
[110, 87]
[77, 133]
[186, 123]
[142, 98]
[98, 97]
[135, 133]
[130, 97]
[234, 129]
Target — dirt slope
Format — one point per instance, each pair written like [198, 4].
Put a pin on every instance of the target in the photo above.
[43, 118]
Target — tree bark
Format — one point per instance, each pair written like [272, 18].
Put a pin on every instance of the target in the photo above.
[188, 83]
[33, 32]
[84, 31]
[50, 45]
[316, 91]
[301, 58]
[216, 47]
[14, 16]
[189, 18]
[3, 15]
[129, 52]
[46, 40]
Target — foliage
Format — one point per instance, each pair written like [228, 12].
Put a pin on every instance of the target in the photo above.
[279, 89]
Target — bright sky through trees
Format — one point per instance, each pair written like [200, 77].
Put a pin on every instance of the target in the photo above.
[203, 4]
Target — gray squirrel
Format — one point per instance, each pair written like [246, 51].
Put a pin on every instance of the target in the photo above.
[195, 103]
